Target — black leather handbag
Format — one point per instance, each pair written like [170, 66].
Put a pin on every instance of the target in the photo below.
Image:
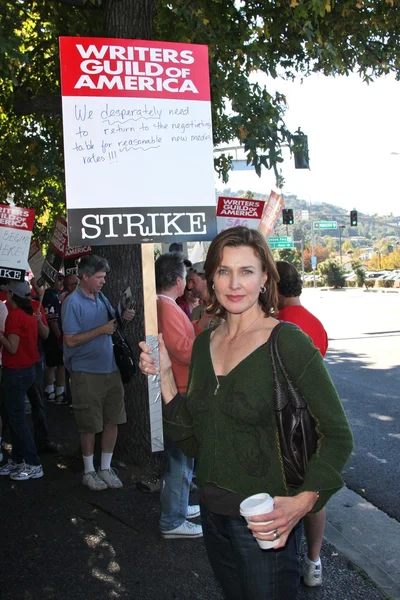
[122, 350]
[296, 427]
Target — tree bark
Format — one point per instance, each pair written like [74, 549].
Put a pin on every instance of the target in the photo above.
[132, 19]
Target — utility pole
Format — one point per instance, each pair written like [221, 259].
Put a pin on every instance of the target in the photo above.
[341, 227]
[313, 266]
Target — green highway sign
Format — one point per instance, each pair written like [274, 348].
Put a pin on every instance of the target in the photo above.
[283, 241]
[324, 224]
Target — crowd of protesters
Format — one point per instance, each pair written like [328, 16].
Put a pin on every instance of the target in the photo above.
[56, 346]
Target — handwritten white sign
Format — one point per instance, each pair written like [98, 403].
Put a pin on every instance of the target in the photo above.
[137, 135]
[15, 239]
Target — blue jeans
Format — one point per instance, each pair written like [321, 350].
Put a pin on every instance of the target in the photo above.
[175, 487]
[244, 571]
[15, 384]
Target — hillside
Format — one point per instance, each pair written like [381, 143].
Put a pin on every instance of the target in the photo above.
[371, 228]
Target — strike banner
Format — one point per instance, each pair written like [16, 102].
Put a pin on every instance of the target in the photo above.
[138, 141]
[35, 259]
[55, 254]
[16, 226]
[272, 212]
[238, 211]
[72, 256]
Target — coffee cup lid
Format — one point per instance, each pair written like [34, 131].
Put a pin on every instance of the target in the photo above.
[256, 504]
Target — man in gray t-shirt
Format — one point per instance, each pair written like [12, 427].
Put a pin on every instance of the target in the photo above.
[96, 386]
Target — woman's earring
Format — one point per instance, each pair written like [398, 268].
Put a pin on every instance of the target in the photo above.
[263, 290]
[213, 287]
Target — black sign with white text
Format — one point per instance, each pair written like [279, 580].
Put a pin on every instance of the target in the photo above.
[14, 274]
[116, 226]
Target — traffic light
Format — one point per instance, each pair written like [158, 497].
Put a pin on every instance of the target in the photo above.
[287, 216]
[353, 218]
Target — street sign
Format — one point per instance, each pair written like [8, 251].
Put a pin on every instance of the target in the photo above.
[283, 241]
[324, 224]
[314, 262]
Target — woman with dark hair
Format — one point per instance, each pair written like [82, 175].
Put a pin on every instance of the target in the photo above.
[20, 354]
[227, 421]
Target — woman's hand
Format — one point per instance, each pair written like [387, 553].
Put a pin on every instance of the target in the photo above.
[148, 366]
[287, 513]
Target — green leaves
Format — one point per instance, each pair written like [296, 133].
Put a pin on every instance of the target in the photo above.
[281, 39]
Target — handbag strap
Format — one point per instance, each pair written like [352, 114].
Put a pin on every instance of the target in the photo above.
[279, 370]
[103, 299]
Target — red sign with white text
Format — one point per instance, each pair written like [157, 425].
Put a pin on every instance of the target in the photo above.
[17, 218]
[246, 208]
[73, 252]
[137, 68]
[59, 239]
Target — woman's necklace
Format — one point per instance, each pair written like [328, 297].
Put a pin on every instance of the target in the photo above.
[231, 340]
[235, 337]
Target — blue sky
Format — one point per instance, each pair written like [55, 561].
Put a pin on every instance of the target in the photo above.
[353, 130]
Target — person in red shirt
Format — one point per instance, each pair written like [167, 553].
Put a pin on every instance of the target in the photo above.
[178, 334]
[291, 310]
[20, 354]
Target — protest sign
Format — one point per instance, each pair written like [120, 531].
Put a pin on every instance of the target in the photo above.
[55, 253]
[16, 226]
[72, 256]
[138, 141]
[272, 211]
[238, 211]
[35, 259]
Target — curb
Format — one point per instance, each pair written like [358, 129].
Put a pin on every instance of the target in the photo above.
[353, 516]
[378, 575]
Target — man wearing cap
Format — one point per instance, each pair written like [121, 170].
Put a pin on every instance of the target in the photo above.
[20, 355]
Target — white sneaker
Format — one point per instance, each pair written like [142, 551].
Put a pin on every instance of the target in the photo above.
[186, 530]
[193, 511]
[312, 573]
[25, 472]
[50, 397]
[93, 481]
[110, 478]
[10, 466]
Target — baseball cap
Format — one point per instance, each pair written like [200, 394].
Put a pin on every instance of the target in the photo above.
[198, 268]
[19, 288]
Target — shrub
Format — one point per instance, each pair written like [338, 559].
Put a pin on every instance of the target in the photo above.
[310, 283]
[385, 283]
[350, 283]
[369, 283]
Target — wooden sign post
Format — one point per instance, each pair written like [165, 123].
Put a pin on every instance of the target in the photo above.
[138, 151]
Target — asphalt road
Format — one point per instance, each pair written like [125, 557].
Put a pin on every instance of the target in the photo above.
[364, 362]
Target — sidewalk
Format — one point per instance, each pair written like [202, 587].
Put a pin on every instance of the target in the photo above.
[63, 542]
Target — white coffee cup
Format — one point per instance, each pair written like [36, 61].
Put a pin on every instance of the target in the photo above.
[259, 504]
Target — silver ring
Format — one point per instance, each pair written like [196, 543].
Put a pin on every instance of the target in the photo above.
[277, 535]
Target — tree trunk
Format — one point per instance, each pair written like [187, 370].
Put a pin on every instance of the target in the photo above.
[132, 19]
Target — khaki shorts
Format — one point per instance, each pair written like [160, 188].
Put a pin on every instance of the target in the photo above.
[97, 400]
